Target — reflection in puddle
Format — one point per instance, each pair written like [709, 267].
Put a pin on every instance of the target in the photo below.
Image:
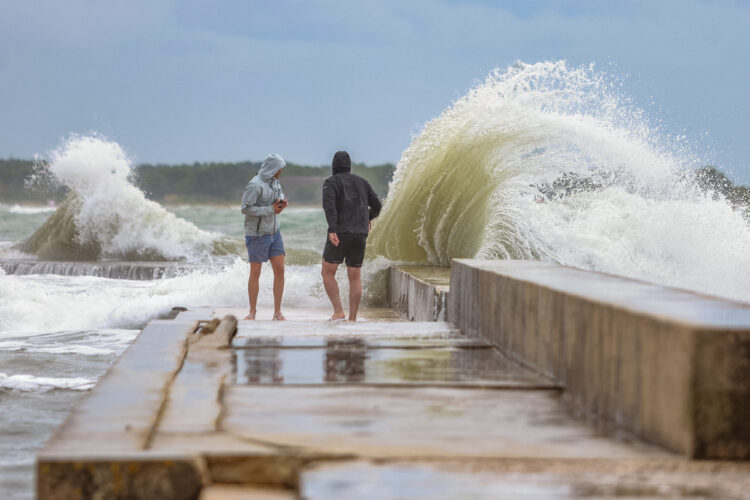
[345, 360]
[342, 361]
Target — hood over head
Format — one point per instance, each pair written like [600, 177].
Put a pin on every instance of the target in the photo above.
[341, 162]
[271, 164]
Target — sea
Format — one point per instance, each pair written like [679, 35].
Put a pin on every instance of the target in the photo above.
[540, 161]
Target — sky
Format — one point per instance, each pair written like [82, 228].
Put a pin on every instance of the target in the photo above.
[231, 80]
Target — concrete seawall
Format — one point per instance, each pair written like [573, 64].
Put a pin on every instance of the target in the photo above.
[114, 269]
[667, 365]
[419, 293]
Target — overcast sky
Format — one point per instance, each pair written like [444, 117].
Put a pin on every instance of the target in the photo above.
[209, 80]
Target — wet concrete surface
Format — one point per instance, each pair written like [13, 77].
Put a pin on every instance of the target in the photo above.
[525, 480]
[417, 422]
[435, 276]
[670, 304]
[372, 341]
[375, 409]
[348, 361]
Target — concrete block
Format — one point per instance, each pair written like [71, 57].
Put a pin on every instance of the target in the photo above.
[667, 365]
[120, 478]
[418, 293]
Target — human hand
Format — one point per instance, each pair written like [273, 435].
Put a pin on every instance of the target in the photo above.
[369, 225]
[333, 238]
[278, 206]
[284, 204]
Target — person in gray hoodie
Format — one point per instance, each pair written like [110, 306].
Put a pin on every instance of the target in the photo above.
[262, 202]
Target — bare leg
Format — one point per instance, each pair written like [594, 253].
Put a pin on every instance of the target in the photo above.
[332, 289]
[277, 264]
[355, 290]
[253, 286]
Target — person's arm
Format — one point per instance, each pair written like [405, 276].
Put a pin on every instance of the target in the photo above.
[374, 202]
[249, 197]
[329, 207]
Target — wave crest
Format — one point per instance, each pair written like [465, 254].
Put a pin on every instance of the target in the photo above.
[106, 216]
[544, 161]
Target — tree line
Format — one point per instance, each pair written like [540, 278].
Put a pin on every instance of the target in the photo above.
[224, 182]
[193, 183]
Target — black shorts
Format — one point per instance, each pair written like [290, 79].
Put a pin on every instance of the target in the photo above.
[351, 248]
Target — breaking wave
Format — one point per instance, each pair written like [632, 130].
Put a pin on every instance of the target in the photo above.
[105, 216]
[549, 162]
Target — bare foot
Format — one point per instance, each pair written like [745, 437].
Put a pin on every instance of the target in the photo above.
[337, 317]
[250, 316]
[279, 317]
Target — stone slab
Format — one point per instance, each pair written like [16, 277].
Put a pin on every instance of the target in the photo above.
[119, 413]
[426, 422]
[668, 365]
[369, 341]
[531, 479]
[120, 476]
[349, 362]
[368, 330]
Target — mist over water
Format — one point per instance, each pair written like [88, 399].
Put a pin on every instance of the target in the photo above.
[549, 162]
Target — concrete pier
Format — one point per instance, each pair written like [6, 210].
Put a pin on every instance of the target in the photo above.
[667, 365]
[203, 406]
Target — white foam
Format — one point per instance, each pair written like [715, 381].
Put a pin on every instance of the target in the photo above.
[18, 209]
[27, 383]
[479, 181]
[47, 303]
[113, 212]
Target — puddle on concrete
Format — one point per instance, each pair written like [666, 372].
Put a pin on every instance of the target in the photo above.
[354, 361]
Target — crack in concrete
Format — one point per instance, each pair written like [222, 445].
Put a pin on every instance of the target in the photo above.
[219, 421]
[153, 428]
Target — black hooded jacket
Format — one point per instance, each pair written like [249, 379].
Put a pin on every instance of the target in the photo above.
[348, 200]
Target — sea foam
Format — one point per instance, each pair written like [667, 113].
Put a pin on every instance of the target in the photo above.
[107, 216]
[544, 161]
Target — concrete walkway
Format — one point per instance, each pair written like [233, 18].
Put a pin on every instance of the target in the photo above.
[380, 409]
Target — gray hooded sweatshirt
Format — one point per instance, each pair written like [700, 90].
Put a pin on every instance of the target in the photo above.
[259, 195]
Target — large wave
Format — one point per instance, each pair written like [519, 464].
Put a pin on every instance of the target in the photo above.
[549, 162]
[106, 216]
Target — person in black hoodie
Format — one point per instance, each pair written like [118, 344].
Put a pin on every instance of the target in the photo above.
[350, 204]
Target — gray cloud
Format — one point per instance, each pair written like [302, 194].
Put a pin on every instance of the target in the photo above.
[227, 80]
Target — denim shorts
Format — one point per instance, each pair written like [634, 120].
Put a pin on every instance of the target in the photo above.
[262, 248]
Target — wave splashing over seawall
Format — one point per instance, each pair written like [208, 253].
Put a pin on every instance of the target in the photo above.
[107, 216]
[548, 162]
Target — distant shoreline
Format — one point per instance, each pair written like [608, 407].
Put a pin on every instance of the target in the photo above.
[33, 205]
[199, 183]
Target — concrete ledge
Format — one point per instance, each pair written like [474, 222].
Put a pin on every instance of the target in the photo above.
[130, 270]
[667, 365]
[120, 477]
[418, 293]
